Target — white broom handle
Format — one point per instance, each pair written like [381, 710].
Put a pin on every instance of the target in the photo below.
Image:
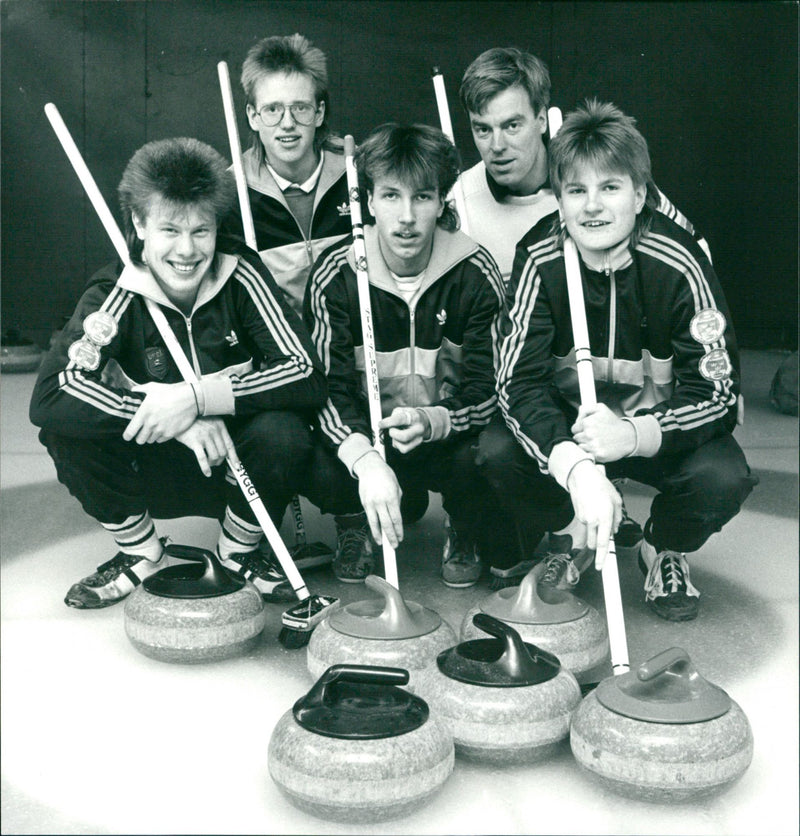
[89, 185]
[370, 355]
[236, 155]
[447, 129]
[615, 616]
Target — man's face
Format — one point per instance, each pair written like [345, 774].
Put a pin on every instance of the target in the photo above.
[289, 146]
[405, 218]
[599, 208]
[508, 135]
[178, 247]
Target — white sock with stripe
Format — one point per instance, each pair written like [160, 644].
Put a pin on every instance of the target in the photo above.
[237, 536]
[137, 536]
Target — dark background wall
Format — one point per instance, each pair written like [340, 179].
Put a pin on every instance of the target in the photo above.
[713, 86]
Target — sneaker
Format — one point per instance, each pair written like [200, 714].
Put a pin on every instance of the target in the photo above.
[354, 558]
[264, 572]
[113, 581]
[668, 590]
[461, 562]
[629, 534]
[563, 566]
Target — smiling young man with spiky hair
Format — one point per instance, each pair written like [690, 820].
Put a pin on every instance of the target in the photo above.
[129, 437]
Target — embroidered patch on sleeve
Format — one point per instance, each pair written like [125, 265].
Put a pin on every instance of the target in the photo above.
[84, 354]
[707, 326]
[716, 365]
[100, 327]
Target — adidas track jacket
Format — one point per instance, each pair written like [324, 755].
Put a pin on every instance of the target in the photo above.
[663, 347]
[248, 348]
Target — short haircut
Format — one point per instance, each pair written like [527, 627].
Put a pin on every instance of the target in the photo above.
[287, 54]
[419, 155]
[498, 69]
[599, 134]
[181, 172]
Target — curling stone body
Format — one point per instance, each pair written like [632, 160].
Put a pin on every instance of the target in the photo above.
[388, 632]
[501, 717]
[360, 779]
[553, 620]
[223, 617]
[19, 354]
[671, 760]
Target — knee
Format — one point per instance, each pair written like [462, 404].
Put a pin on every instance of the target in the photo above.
[724, 483]
[279, 435]
[495, 450]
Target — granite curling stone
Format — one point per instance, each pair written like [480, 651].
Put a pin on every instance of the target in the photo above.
[551, 619]
[662, 733]
[358, 748]
[194, 612]
[505, 701]
[386, 631]
[18, 354]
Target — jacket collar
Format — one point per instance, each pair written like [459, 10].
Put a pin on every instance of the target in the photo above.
[139, 280]
[611, 260]
[449, 249]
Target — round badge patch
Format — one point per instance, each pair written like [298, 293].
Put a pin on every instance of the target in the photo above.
[100, 327]
[716, 365]
[84, 355]
[707, 326]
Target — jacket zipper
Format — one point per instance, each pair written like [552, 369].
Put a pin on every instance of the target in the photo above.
[412, 309]
[195, 359]
[612, 320]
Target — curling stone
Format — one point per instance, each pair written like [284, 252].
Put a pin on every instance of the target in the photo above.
[19, 354]
[387, 631]
[506, 701]
[662, 733]
[194, 612]
[357, 748]
[549, 618]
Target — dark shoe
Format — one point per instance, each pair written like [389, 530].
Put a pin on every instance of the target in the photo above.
[264, 572]
[563, 566]
[461, 563]
[113, 581]
[304, 555]
[629, 534]
[354, 558]
[668, 590]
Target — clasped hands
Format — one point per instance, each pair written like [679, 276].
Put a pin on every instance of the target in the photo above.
[169, 411]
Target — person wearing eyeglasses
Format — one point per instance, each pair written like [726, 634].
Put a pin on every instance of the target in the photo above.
[295, 166]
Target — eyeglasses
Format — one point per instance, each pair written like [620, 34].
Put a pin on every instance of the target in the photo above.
[272, 114]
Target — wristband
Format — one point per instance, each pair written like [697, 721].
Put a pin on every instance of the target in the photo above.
[196, 402]
[569, 473]
[635, 435]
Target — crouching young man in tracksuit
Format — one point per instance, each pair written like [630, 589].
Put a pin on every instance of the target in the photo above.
[129, 437]
[665, 362]
[435, 295]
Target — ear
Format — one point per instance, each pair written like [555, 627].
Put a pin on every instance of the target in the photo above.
[640, 193]
[320, 114]
[442, 202]
[369, 204]
[541, 120]
[138, 225]
[252, 117]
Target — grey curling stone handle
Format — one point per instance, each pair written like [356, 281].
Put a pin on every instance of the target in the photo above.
[356, 674]
[676, 661]
[396, 614]
[214, 574]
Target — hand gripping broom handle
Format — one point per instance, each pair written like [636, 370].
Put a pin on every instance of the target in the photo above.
[248, 226]
[583, 358]
[370, 358]
[447, 130]
[118, 240]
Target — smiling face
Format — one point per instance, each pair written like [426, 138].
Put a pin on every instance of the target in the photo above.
[289, 147]
[178, 247]
[599, 209]
[508, 135]
[405, 218]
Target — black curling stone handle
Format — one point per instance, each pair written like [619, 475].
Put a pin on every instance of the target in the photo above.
[360, 702]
